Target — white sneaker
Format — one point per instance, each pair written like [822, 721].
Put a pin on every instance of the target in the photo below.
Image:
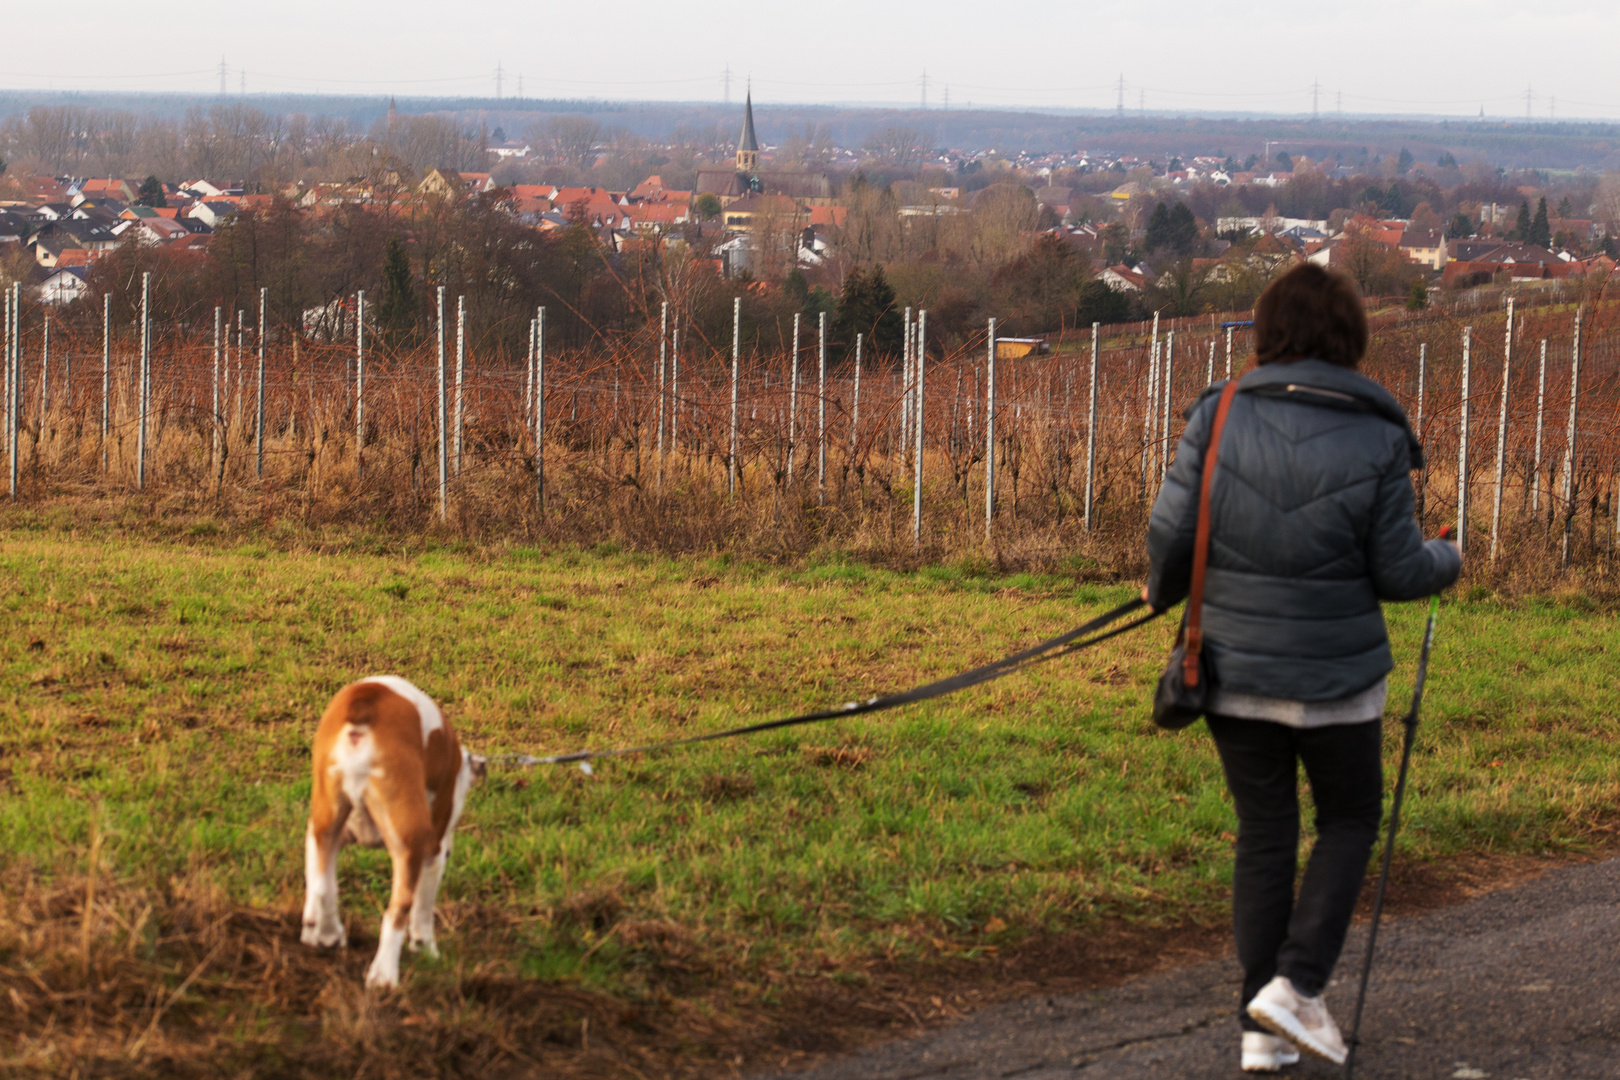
[1267, 1053]
[1303, 1021]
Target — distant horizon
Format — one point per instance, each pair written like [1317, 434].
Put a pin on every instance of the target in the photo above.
[512, 103]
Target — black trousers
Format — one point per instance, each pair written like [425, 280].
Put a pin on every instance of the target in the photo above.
[1277, 933]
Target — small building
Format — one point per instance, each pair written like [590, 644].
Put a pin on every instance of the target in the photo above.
[64, 285]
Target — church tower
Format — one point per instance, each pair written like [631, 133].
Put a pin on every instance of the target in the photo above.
[747, 143]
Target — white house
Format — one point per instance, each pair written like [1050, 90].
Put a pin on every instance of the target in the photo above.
[211, 213]
[64, 285]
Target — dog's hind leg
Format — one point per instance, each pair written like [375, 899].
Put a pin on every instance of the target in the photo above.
[427, 894]
[410, 841]
[323, 925]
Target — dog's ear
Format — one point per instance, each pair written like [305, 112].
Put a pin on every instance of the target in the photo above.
[479, 765]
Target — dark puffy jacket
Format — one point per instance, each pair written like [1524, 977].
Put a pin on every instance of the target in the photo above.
[1311, 526]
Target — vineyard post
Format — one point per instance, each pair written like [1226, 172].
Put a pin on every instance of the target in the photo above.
[1091, 426]
[1229, 352]
[1152, 401]
[539, 408]
[258, 422]
[12, 327]
[526, 402]
[145, 379]
[106, 374]
[444, 457]
[855, 412]
[916, 494]
[905, 386]
[359, 383]
[461, 370]
[1209, 368]
[675, 382]
[241, 347]
[44, 373]
[1423, 473]
[225, 383]
[793, 398]
[1541, 407]
[990, 433]
[219, 331]
[1569, 435]
[1501, 430]
[1462, 446]
[1169, 385]
[821, 411]
[663, 384]
[736, 368]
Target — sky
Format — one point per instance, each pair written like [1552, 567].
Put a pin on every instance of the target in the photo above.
[1433, 57]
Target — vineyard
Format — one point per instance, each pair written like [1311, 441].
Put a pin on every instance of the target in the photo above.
[654, 441]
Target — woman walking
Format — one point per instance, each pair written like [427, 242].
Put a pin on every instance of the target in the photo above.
[1311, 526]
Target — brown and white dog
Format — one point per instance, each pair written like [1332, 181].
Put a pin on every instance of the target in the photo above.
[388, 772]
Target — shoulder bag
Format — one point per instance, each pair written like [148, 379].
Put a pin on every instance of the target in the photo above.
[1184, 686]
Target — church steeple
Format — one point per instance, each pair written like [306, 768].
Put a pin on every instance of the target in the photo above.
[747, 143]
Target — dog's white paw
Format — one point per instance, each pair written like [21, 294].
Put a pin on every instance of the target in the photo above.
[331, 936]
[426, 946]
[382, 976]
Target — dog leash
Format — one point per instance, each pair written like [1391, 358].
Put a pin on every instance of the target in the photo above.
[1062, 645]
[1411, 723]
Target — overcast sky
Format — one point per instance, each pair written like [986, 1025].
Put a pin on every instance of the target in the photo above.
[1433, 56]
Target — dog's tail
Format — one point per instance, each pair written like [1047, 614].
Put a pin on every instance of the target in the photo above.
[362, 704]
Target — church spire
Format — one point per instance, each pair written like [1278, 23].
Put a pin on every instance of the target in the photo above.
[748, 143]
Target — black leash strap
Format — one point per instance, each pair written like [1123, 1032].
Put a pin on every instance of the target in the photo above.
[1051, 649]
[1411, 723]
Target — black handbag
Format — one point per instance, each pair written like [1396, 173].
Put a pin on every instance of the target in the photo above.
[1184, 687]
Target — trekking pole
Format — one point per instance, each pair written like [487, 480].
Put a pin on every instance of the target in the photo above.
[1411, 723]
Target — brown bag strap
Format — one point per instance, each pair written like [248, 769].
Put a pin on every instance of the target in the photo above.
[1194, 630]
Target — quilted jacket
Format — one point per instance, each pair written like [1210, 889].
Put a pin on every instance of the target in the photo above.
[1311, 527]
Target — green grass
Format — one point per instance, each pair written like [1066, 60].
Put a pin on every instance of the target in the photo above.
[175, 686]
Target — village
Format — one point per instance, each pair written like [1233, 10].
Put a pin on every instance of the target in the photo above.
[1193, 235]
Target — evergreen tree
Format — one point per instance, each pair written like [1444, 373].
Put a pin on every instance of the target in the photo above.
[1418, 298]
[1158, 228]
[1285, 161]
[1521, 231]
[867, 306]
[151, 193]
[1183, 229]
[1403, 164]
[1540, 231]
[1459, 225]
[1096, 302]
[397, 312]
[1565, 208]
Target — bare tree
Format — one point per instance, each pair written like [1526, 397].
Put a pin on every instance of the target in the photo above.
[901, 147]
[573, 139]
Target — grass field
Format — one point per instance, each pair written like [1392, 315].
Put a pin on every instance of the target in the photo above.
[157, 699]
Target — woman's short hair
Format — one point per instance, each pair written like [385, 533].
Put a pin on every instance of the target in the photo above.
[1310, 313]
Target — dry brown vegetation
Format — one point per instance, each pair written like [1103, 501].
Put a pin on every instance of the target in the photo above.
[628, 465]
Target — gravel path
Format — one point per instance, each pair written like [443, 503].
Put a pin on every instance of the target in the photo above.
[1522, 983]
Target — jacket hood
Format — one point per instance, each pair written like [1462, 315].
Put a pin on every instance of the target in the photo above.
[1302, 376]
